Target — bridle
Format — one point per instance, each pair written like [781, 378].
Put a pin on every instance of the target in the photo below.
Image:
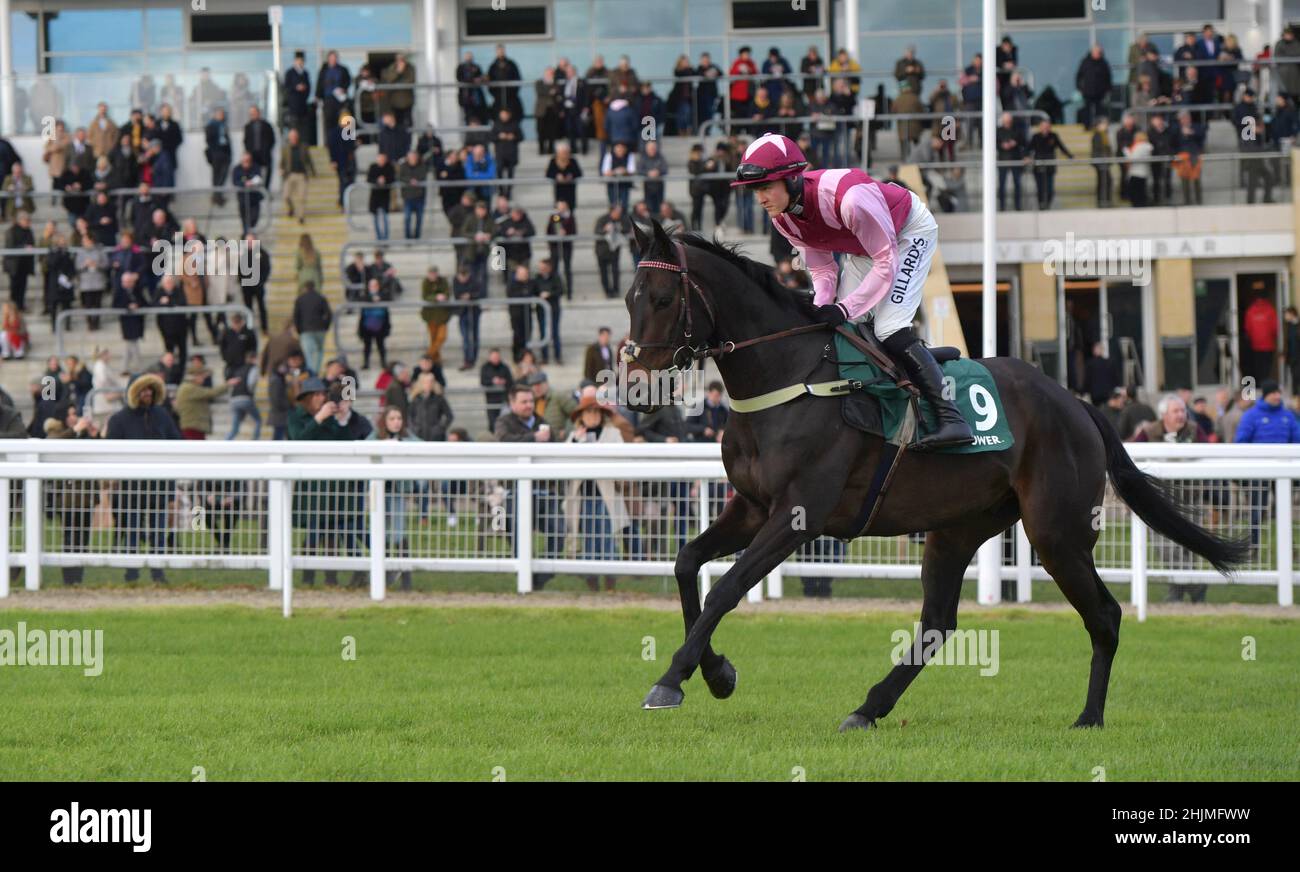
[687, 351]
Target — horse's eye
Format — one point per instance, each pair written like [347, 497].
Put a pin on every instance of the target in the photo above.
[662, 303]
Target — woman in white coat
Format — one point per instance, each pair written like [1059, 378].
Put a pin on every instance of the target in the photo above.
[596, 502]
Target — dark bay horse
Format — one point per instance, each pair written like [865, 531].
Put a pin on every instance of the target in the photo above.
[691, 297]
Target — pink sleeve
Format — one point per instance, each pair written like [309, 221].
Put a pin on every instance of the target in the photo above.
[865, 212]
[825, 275]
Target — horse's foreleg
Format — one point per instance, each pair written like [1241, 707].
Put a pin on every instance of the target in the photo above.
[776, 540]
[733, 529]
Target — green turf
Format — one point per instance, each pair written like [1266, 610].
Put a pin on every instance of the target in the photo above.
[555, 694]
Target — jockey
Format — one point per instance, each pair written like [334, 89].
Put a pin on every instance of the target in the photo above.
[887, 238]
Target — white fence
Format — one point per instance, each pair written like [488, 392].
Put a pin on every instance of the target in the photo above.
[374, 508]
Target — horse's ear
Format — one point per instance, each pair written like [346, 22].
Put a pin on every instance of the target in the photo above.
[642, 241]
[661, 235]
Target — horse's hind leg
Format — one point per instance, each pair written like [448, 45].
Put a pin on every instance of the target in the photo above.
[1064, 539]
[947, 554]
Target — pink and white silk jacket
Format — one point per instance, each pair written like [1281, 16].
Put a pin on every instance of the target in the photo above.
[848, 211]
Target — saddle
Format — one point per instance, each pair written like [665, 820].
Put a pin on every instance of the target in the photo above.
[862, 337]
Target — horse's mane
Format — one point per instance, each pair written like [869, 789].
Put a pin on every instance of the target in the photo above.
[760, 274]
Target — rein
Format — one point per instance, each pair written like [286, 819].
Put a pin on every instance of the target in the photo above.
[692, 352]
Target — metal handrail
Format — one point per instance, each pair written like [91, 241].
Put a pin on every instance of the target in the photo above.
[66, 314]
[535, 344]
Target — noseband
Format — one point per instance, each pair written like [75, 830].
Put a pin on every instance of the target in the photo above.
[687, 351]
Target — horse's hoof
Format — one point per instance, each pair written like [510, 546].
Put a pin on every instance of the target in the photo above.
[661, 697]
[1086, 722]
[856, 721]
[722, 682]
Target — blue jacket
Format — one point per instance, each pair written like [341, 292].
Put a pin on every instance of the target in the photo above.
[1265, 424]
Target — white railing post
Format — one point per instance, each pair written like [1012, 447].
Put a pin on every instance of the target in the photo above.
[33, 528]
[284, 523]
[275, 492]
[1024, 565]
[775, 584]
[703, 500]
[377, 539]
[989, 561]
[1285, 560]
[523, 520]
[4, 537]
[1138, 557]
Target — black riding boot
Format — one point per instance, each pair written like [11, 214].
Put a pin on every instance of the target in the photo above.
[927, 375]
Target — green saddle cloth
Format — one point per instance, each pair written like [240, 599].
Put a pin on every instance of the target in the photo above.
[972, 388]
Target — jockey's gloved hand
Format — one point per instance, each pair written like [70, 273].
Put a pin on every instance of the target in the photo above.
[832, 315]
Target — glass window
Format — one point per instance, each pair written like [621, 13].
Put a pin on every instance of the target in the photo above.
[164, 28]
[572, 19]
[382, 24]
[1179, 10]
[95, 30]
[298, 31]
[1054, 58]
[25, 45]
[937, 52]
[765, 14]
[906, 15]
[708, 16]
[627, 18]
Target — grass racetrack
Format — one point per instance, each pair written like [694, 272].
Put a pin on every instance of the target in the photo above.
[528, 693]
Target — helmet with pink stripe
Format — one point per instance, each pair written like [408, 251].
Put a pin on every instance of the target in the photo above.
[768, 158]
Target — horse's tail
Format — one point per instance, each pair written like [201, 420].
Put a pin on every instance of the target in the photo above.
[1156, 504]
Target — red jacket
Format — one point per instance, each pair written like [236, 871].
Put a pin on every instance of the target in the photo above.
[1261, 325]
[741, 90]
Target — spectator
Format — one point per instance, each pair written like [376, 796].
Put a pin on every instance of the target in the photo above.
[1114, 408]
[218, 153]
[248, 178]
[1267, 423]
[515, 230]
[428, 412]
[297, 95]
[711, 421]
[140, 506]
[259, 139]
[505, 96]
[519, 286]
[910, 70]
[1248, 124]
[1291, 346]
[341, 139]
[652, 165]
[612, 230]
[71, 501]
[597, 503]
[468, 289]
[506, 136]
[312, 317]
[547, 287]
[254, 273]
[1011, 154]
[332, 84]
[1226, 427]
[481, 166]
[394, 140]
[172, 327]
[400, 76]
[1161, 137]
[243, 390]
[284, 388]
[598, 362]
[1043, 147]
[452, 170]
[374, 324]
[1136, 413]
[13, 333]
[497, 380]
[469, 95]
[1101, 150]
[1139, 173]
[434, 289]
[413, 174]
[128, 296]
[235, 341]
[102, 131]
[296, 166]
[618, 163]
[17, 266]
[60, 278]
[561, 225]
[1260, 324]
[17, 189]
[565, 172]
[380, 177]
[399, 383]
[1190, 142]
[622, 121]
[194, 401]
[1094, 82]
[1100, 379]
[478, 229]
